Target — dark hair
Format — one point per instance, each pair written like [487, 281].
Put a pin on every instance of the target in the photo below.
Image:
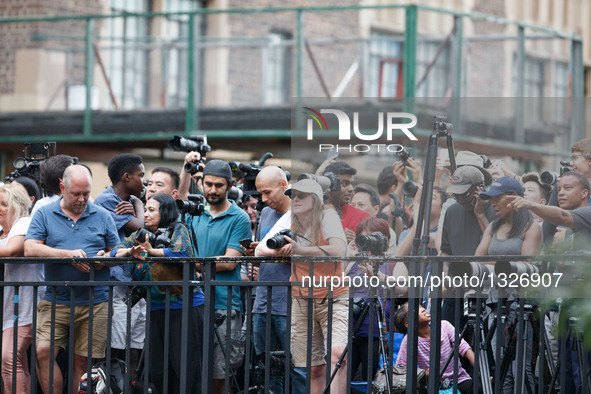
[400, 318]
[51, 171]
[582, 180]
[372, 224]
[374, 197]
[442, 194]
[522, 219]
[340, 168]
[174, 176]
[386, 179]
[120, 164]
[169, 213]
[30, 186]
[545, 189]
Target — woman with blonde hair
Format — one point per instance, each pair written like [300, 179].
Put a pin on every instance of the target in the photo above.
[14, 219]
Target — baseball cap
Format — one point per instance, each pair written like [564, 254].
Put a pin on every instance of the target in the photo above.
[306, 186]
[464, 178]
[467, 158]
[501, 186]
[218, 168]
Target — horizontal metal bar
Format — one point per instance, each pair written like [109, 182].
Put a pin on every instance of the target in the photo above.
[293, 259]
[209, 11]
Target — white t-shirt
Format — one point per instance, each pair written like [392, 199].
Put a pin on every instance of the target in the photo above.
[15, 272]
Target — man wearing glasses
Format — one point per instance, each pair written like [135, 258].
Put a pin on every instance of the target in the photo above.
[350, 216]
[464, 222]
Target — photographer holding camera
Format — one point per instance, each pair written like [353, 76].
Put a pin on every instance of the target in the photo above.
[219, 231]
[166, 237]
[318, 231]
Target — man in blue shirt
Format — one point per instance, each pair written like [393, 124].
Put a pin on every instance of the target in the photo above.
[126, 172]
[271, 182]
[218, 232]
[71, 227]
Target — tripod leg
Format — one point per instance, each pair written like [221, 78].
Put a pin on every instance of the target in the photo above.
[483, 364]
[217, 334]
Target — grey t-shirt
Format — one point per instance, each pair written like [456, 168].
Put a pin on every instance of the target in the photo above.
[582, 218]
[461, 233]
[271, 271]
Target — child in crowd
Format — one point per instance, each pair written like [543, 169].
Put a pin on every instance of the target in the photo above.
[447, 342]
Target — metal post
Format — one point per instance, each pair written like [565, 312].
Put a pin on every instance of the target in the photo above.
[459, 22]
[88, 67]
[190, 111]
[410, 52]
[519, 132]
[299, 51]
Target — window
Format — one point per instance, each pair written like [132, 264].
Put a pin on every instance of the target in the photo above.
[276, 69]
[436, 82]
[385, 66]
[128, 60]
[174, 53]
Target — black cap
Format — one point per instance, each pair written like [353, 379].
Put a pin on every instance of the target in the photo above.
[218, 168]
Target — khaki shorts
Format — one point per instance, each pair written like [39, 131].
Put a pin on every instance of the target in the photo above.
[81, 326]
[299, 328]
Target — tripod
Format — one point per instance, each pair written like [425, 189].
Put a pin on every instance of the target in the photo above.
[421, 240]
[574, 334]
[483, 359]
[383, 345]
[515, 351]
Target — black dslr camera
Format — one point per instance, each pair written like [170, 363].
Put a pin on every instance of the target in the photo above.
[160, 239]
[376, 243]
[404, 154]
[278, 241]
[195, 143]
[194, 206]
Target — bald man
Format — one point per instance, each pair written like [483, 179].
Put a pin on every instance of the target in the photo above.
[271, 182]
[71, 227]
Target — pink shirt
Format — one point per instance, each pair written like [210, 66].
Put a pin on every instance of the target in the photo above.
[447, 338]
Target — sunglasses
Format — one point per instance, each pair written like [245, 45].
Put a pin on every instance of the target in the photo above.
[299, 196]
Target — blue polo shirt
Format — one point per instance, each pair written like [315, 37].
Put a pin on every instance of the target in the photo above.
[94, 231]
[214, 236]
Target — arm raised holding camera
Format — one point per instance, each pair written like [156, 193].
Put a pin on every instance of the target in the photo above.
[185, 185]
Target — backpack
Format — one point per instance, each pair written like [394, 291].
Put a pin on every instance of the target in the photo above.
[98, 379]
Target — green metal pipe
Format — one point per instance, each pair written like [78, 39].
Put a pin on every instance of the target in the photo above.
[410, 52]
[206, 11]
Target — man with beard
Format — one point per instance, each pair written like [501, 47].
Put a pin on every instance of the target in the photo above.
[218, 232]
[68, 228]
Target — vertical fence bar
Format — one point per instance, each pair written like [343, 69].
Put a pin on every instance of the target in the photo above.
[190, 111]
[459, 22]
[208, 322]
[185, 321]
[88, 76]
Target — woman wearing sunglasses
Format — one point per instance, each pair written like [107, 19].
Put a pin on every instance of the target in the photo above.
[317, 231]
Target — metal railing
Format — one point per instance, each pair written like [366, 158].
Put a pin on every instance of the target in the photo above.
[519, 319]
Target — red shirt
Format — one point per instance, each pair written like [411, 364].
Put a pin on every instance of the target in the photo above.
[351, 216]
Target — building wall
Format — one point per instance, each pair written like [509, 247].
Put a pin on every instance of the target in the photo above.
[31, 66]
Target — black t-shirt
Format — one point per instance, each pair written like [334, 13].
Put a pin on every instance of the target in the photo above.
[461, 233]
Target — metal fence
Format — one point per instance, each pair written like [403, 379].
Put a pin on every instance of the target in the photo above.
[520, 349]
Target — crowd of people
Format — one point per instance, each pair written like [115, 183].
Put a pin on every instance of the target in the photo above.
[475, 211]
